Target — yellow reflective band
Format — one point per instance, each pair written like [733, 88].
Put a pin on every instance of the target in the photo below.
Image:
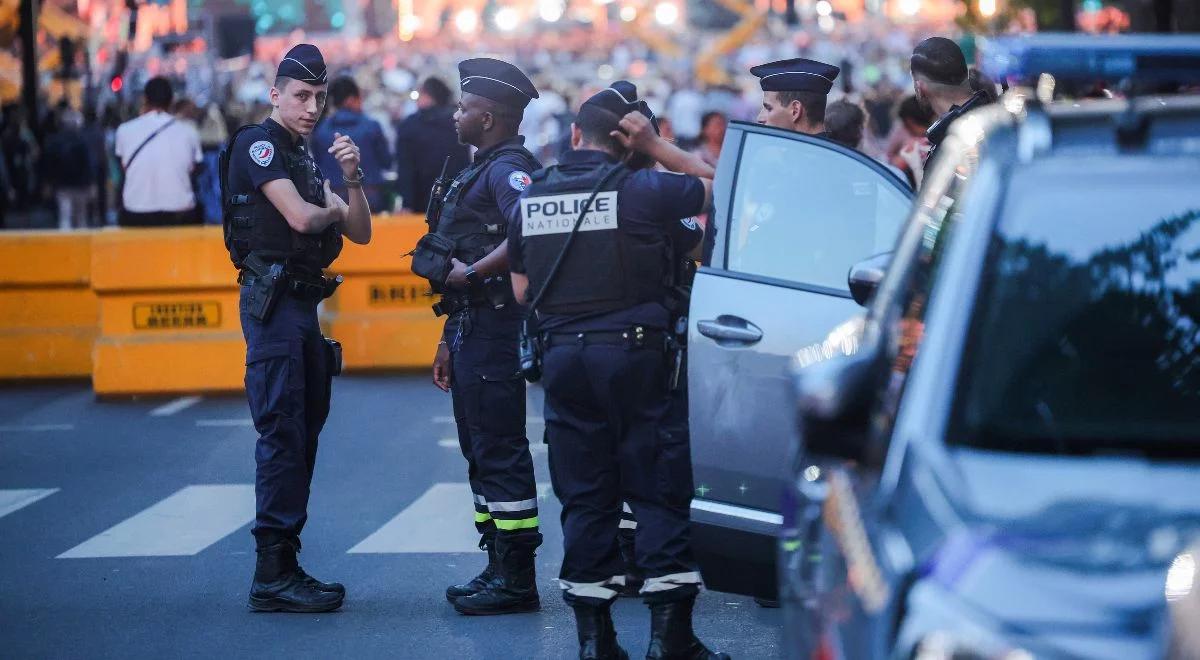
[482, 517]
[512, 525]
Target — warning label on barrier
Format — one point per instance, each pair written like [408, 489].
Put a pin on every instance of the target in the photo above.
[176, 315]
[400, 294]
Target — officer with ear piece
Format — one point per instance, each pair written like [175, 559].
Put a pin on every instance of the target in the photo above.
[593, 254]
[465, 259]
[282, 227]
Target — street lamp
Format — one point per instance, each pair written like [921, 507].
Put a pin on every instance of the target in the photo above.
[987, 8]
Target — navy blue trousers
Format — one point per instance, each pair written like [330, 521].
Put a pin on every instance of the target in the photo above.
[616, 434]
[288, 379]
[489, 410]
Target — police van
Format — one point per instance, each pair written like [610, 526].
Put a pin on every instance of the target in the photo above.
[1004, 460]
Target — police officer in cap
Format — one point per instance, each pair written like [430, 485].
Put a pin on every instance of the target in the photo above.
[477, 357]
[794, 94]
[598, 283]
[282, 227]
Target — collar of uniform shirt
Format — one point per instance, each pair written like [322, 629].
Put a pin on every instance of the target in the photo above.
[515, 140]
[580, 156]
[281, 133]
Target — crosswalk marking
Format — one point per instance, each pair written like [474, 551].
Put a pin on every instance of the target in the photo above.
[438, 521]
[185, 523]
[172, 407]
[19, 498]
[452, 443]
[225, 422]
[14, 428]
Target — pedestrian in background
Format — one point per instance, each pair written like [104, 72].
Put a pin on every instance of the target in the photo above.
[348, 119]
[157, 153]
[423, 141]
[69, 167]
[845, 123]
[712, 135]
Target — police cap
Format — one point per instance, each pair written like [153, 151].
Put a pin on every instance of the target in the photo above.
[304, 63]
[796, 75]
[618, 100]
[496, 80]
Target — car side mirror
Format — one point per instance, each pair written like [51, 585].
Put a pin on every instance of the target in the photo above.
[866, 275]
[834, 397]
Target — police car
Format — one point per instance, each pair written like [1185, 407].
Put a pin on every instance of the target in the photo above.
[1003, 461]
[793, 214]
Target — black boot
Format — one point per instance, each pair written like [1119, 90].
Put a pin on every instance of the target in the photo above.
[597, 637]
[330, 587]
[515, 587]
[279, 586]
[671, 636]
[479, 582]
[633, 574]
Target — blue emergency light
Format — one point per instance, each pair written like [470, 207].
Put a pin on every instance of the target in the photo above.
[1149, 58]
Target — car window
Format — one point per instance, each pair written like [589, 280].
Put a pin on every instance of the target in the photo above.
[1087, 332]
[806, 213]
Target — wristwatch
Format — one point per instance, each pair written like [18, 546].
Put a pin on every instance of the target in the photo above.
[472, 277]
[356, 182]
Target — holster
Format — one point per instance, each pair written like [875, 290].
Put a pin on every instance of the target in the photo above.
[267, 283]
[529, 351]
[334, 349]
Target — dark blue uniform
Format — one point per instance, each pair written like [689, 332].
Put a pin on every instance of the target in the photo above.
[375, 157]
[288, 370]
[607, 403]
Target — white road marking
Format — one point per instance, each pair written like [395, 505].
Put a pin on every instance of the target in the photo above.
[225, 422]
[185, 523]
[446, 419]
[448, 443]
[452, 443]
[440, 520]
[19, 498]
[182, 403]
[36, 428]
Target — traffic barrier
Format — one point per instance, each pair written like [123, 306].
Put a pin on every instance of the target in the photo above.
[168, 312]
[381, 313]
[48, 315]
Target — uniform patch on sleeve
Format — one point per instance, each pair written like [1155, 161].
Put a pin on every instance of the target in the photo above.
[690, 223]
[262, 152]
[519, 181]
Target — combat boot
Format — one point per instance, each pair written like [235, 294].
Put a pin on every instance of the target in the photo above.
[479, 582]
[331, 587]
[597, 637]
[671, 635]
[515, 587]
[280, 586]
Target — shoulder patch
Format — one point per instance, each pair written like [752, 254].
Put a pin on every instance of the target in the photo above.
[519, 180]
[690, 223]
[262, 152]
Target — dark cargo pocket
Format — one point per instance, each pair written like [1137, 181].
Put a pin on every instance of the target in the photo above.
[274, 381]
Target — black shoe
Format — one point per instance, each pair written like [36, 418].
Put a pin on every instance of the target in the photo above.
[671, 636]
[280, 586]
[514, 589]
[328, 587]
[597, 637]
[481, 581]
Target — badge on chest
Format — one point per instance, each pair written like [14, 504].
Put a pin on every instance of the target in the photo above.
[556, 214]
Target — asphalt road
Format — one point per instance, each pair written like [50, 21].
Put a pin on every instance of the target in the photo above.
[124, 533]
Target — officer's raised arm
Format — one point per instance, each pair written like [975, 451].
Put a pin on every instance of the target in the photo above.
[356, 223]
[637, 134]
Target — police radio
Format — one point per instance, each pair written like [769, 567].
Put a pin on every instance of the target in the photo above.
[437, 195]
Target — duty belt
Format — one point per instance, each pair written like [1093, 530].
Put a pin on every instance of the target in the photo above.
[635, 336]
[299, 285]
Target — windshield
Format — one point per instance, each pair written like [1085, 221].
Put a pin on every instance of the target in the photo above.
[1085, 336]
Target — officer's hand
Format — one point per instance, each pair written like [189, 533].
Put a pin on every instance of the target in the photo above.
[346, 153]
[441, 368]
[458, 274]
[334, 201]
[636, 134]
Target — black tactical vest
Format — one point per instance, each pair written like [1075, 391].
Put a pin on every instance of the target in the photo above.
[253, 224]
[475, 234]
[608, 267]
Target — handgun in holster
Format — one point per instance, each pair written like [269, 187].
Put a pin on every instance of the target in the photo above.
[267, 285]
[677, 352]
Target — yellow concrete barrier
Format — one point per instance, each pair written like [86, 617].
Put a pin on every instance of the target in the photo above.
[48, 315]
[168, 312]
[381, 314]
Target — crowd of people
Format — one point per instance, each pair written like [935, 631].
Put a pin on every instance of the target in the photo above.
[397, 102]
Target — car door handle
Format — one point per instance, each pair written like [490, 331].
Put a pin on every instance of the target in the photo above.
[730, 329]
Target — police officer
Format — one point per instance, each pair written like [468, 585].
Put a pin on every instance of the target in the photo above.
[603, 323]
[943, 82]
[283, 225]
[477, 357]
[794, 94]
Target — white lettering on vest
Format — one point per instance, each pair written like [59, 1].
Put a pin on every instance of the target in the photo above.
[556, 214]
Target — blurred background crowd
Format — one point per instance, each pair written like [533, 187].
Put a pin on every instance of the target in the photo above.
[394, 78]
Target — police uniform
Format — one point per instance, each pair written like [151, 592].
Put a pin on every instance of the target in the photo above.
[604, 324]
[289, 364]
[481, 332]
